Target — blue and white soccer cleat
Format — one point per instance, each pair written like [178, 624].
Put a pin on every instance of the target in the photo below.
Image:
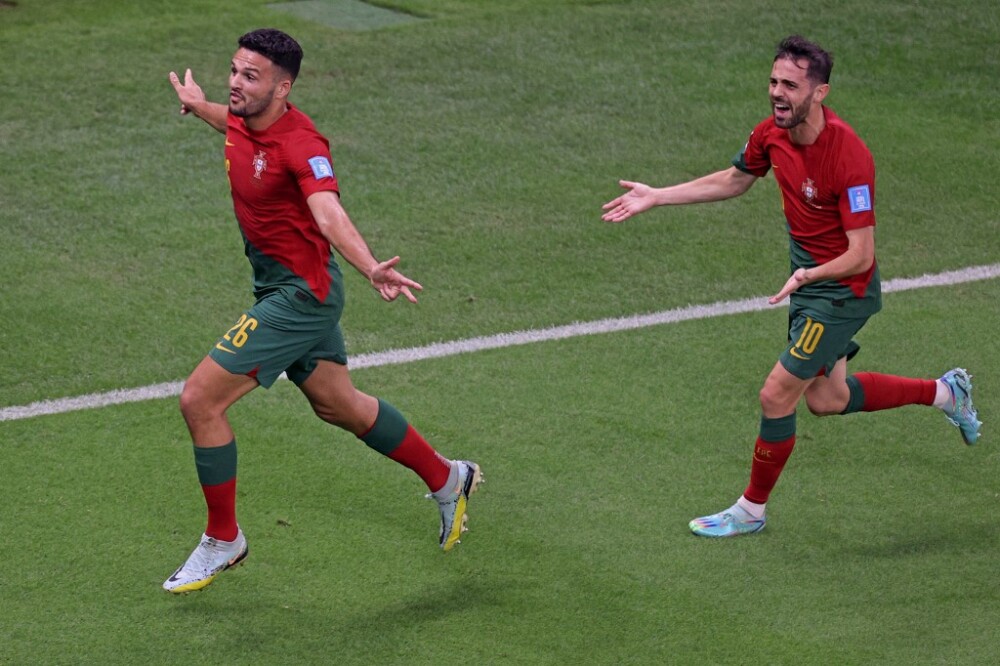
[961, 412]
[208, 560]
[453, 506]
[734, 521]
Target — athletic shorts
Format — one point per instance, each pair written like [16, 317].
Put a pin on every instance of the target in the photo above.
[816, 341]
[277, 335]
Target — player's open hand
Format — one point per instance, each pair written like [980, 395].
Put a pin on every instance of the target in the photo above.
[390, 283]
[189, 93]
[797, 279]
[639, 198]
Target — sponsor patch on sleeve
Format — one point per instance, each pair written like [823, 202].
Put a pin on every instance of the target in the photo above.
[860, 198]
[321, 167]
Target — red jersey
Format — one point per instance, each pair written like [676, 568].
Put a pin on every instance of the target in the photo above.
[827, 188]
[271, 174]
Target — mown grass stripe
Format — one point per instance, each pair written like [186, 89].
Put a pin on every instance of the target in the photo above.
[499, 341]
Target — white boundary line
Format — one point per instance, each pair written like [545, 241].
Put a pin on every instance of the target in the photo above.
[498, 341]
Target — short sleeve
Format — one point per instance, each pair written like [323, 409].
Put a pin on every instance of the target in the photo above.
[753, 159]
[310, 162]
[856, 201]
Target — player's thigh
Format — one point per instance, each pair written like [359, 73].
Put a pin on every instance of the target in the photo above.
[212, 389]
[829, 394]
[781, 392]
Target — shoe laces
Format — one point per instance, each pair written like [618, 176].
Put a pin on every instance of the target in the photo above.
[961, 396]
[207, 553]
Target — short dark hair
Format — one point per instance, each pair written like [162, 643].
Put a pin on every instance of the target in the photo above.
[276, 46]
[797, 47]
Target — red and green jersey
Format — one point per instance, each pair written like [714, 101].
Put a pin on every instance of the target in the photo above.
[827, 189]
[271, 174]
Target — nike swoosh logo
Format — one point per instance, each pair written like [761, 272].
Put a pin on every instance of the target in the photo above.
[218, 345]
[229, 144]
[791, 351]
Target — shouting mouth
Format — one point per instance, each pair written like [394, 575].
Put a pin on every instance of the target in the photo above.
[781, 109]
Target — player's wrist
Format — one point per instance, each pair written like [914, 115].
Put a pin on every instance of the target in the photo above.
[661, 197]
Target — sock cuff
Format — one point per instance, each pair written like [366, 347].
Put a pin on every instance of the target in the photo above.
[450, 482]
[856, 399]
[217, 464]
[777, 430]
[755, 509]
[388, 431]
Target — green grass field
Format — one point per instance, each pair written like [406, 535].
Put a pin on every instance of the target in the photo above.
[479, 142]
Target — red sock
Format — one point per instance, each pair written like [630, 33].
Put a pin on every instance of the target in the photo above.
[221, 501]
[414, 452]
[889, 391]
[769, 459]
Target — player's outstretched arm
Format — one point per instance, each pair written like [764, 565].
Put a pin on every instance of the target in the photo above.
[338, 229]
[716, 186]
[193, 100]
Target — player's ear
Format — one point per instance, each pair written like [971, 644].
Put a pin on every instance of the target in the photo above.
[283, 89]
[820, 92]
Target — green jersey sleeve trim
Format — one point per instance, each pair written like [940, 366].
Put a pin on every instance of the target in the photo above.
[740, 163]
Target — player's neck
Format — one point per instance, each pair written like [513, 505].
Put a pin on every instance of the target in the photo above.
[807, 132]
[271, 115]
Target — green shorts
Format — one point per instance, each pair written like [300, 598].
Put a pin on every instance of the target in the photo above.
[816, 341]
[278, 335]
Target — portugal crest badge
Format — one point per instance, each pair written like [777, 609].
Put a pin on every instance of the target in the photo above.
[809, 190]
[259, 164]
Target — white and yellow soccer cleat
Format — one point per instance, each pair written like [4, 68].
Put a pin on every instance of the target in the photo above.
[453, 506]
[209, 559]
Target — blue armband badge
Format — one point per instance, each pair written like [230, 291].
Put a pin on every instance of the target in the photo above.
[860, 198]
[321, 167]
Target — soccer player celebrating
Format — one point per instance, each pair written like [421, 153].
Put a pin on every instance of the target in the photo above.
[287, 202]
[827, 180]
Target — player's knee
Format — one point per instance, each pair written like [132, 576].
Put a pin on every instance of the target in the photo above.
[771, 400]
[341, 414]
[194, 405]
[329, 414]
[825, 405]
[188, 402]
[828, 398]
[820, 406]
